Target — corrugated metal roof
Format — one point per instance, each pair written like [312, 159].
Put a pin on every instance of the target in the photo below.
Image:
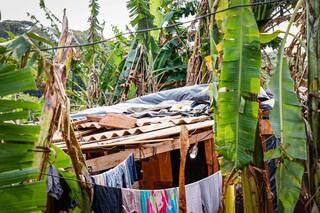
[153, 127]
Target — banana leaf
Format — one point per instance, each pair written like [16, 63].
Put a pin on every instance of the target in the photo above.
[286, 117]
[23, 197]
[64, 165]
[18, 176]
[157, 17]
[289, 180]
[130, 60]
[268, 37]
[239, 84]
[17, 143]
[288, 125]
[16, 81]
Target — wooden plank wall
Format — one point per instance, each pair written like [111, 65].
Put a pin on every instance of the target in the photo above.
[157, 172]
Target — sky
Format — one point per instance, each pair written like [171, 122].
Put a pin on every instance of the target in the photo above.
[113, 12]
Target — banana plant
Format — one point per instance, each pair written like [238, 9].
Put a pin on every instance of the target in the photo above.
[17, 150]
[288, 126]
[237, 112]
[20, 156]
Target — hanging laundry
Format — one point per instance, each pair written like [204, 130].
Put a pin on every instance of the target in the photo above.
[204, 196]
[107, 200]
[113, 193]
[100, 179]
[54, 188]
[159, 201]
[132, 168]
[193, 198]
[131, 201]
[211, 188]
[121, 176]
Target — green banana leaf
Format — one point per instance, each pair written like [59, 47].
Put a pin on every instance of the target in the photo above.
[130, 60]
[64, 165]
[18, 176]
[237, 113]
[157, 17]
[17, 141]
[16, 81]
[286, 117]
[288, 125]
[268, 37]
[289, 179]
[23, 197]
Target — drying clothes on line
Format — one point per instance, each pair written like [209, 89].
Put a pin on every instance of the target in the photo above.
[150, 201]
[121, 176]
[211, 189]
[107, 199]
[54, 188]
[131, 201]
[193, 198]
[159, 201]
[132, 168]
[204, 196]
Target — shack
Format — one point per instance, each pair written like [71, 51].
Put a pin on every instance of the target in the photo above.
[149, 127]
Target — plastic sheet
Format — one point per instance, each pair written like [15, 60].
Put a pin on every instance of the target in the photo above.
[193, 93]
[197, 93]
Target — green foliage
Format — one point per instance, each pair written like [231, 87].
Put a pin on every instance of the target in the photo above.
[155, 6]
[95, 29]
[29, 197]
[289, 180]
[21, 191]
[18, 139]
[286, 118]
[288, 125]
[268, 37]
[237, 113]
[140, 14]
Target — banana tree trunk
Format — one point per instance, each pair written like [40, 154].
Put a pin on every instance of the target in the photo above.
[313, 33]
[56, 112]
[251, 197]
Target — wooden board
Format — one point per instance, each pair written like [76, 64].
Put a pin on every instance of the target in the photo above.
[94, 117]
[211, 156]
[118, 121]
[157, 172]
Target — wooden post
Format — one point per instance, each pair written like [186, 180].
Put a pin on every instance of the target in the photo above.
[184, 141]
[211, 156]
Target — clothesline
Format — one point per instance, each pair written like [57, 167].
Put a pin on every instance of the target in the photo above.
[81, 181]
[203, 196]
[115, 193]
